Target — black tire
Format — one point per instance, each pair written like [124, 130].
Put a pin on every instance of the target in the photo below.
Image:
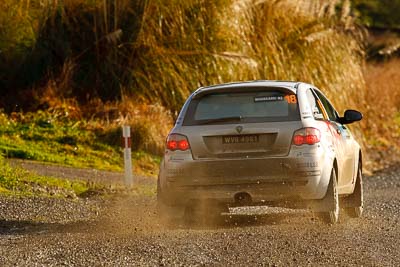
[170, 215]
[331, 201]
[355, 202]
[205, 213]
[167, 214]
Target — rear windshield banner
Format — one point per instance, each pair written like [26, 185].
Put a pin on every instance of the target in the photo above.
[268, 98]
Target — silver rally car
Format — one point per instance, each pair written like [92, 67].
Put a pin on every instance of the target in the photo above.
[271, 143]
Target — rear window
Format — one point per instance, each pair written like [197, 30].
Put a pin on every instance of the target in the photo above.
[243, 107]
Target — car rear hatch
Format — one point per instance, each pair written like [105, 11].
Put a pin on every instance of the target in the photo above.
[247, 123]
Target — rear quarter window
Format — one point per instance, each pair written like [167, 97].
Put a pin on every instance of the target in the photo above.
[243, 107]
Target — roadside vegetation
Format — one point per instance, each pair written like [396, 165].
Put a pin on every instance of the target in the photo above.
[52, 136]
[378, 13]
[72, 72]
[382, 129]
[17, 181]
[157, 52]
[381, 18]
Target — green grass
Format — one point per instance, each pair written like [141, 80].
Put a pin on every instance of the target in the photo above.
[148, 190]
[43, 136]
[17, 181]
[145, 163]
[48, 137]
[397, 119]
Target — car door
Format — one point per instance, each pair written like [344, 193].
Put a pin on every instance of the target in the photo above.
[343, 142]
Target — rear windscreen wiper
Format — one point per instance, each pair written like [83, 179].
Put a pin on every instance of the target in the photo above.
[222, 119]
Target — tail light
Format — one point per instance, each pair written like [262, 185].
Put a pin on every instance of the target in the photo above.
[306, 136]
[177, 142]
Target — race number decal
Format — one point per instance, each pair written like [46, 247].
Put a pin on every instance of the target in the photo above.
[291, 99]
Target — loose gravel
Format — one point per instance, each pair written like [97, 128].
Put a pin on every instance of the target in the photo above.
[126, 231]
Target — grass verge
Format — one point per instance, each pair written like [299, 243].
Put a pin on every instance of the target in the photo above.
[55, 138]
[16, 181]
[19, 182]
[48, 137]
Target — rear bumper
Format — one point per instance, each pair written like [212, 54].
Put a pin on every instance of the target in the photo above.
[267, 179]
[260, 193]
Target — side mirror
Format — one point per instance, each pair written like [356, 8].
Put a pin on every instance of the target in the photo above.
[350, 116]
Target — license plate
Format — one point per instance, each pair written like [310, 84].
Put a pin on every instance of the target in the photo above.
[239, 139]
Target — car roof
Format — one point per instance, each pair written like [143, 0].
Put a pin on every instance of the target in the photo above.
[291, 85]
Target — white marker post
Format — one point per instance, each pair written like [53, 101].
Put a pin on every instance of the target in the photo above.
[126, 134]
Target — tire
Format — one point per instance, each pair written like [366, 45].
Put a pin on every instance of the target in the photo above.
[355, 202]
[331, 201]
[205, 213]
[167, 214]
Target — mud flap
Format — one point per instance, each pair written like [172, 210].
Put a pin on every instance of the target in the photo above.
[355, 199]
[325, 204]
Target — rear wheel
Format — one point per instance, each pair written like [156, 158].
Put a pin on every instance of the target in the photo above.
[205, 212]
[330, 202]
[167, 213]
[354, 204]
[170, 214]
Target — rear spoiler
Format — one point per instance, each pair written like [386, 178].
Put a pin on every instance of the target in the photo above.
[204, 91]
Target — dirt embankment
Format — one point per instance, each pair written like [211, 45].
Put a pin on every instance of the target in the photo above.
[126, 231]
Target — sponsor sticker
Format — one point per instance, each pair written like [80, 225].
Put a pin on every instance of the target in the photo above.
[268, 98]
[290, 99]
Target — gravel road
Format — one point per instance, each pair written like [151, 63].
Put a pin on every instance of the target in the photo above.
[126, 231]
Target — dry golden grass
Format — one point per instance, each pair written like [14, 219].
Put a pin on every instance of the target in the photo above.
[201, 42]
[160, 51]
[137, 61]
[150, 123]
[381, 126]
[178, 46]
